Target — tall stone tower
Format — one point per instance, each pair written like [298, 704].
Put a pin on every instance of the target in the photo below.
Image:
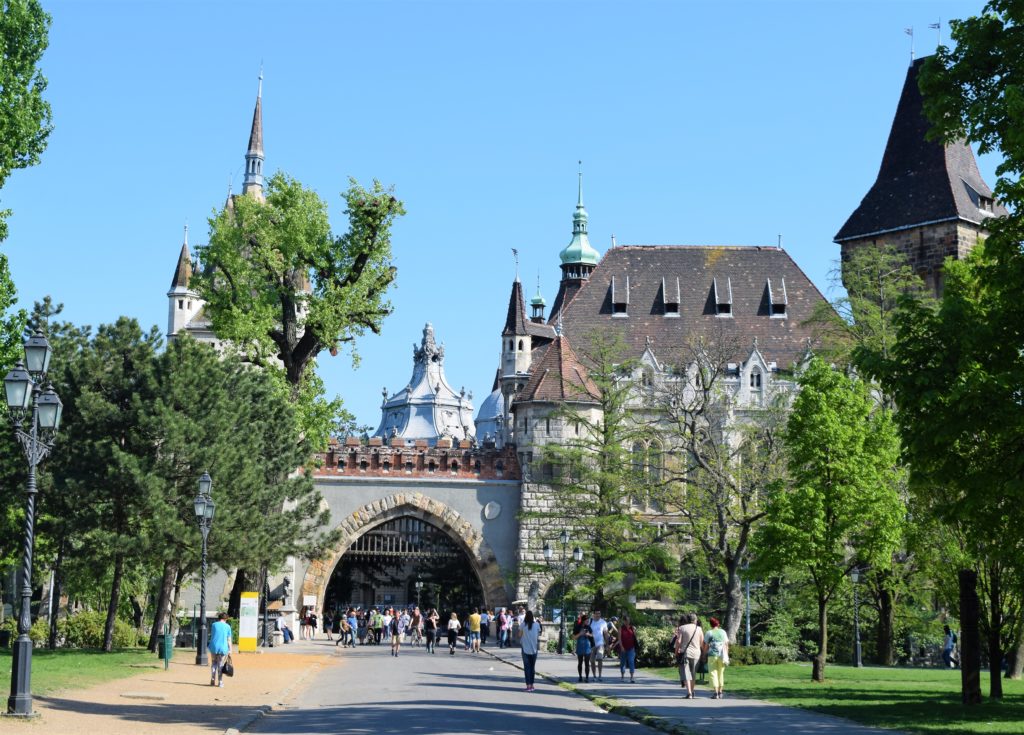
[929, 200]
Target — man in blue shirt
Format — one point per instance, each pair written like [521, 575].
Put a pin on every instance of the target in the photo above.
[220, 648]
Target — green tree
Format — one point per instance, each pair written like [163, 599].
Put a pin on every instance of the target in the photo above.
[279, 285]
[599, 487]
[24, 114]
[839, 509]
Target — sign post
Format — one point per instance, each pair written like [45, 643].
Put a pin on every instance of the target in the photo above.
[248, 613]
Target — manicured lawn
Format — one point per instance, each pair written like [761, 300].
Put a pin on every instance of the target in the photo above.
[914, 700]
[74, 669]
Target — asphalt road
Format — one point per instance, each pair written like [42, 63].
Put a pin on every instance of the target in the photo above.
[422, 694]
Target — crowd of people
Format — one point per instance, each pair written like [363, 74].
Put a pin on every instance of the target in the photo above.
[595, 638]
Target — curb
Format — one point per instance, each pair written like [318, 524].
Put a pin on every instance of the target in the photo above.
[246, 722]
[609, 704]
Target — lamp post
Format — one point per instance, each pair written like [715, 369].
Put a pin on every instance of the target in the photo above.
[419, 588]
[855, 577]
[205, 508]
[577, 555]
[28, 401]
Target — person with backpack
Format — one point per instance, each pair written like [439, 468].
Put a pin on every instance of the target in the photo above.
[689, 642]
[716, 646]
[584, 638]
[948, 647]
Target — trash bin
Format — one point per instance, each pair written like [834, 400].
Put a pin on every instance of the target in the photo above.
[161, 646]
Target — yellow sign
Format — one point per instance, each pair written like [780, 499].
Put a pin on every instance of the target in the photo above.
[248, 612]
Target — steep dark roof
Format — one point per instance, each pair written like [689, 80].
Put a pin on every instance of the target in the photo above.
[559, 376]
[919, 181]
[746, 270]
[515, 321]
[183, 271]
[256, 135]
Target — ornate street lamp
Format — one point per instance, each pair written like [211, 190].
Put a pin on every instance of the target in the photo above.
[855, 578]
[27, 401]
[577, 555]
[419, 589]
[205, 508]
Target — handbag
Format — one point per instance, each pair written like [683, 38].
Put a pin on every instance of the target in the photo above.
[228, 668]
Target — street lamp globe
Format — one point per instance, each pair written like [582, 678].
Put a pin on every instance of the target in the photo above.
[548, 553]
[563, 537]
[50, 409]
[37, 354]
[205, 483]
[577, 554]
[200, 504]
[855, 575]
[18, 388]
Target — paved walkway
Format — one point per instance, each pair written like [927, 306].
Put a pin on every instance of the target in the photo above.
[180, 700]
[734, 715]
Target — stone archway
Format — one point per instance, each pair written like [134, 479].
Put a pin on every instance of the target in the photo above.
[416, 505]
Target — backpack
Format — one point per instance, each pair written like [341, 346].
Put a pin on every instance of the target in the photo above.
[715, 645]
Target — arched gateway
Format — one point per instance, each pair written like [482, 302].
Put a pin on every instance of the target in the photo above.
[383, 513]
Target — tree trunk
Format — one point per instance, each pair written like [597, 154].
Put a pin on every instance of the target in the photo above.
[115, 598]
[995, 649]
[1016, 664]
[818, 671]
[599, 599]
[886, 624]
[970, 637]
[163, 604]
[58, 587]
[733, 600]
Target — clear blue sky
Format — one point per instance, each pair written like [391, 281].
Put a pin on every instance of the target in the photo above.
[697, 123]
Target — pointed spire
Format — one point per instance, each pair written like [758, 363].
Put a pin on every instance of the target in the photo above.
[579, 251]
[515, 321]
[183, 270]
[253, 182]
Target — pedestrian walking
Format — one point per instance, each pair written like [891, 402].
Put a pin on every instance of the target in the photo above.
[504, 628]
[385, 624]
[529, 644]
[430, 630]
[626, 643]
[219, 647]
[453, 633]
[328, 624]
[599, 627]
[485, 626]
[689, 642]
[948, 647]
[399, 624]
[716, 646]
[474, 630]
[584, 638]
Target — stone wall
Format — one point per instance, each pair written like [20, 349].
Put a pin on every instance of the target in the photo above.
[926, 247]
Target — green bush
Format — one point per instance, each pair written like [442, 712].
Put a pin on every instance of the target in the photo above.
[754, 655]
[85, 630]
[39, 633]
[654, 646]
[553, 643]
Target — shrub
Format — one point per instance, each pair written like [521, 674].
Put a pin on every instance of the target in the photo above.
[553, 643]
[39, 633]
[654, 646]
[85, 630]
[754, 655]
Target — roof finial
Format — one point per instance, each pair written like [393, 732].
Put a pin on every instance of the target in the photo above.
[613, 239]
[515, 254]
[259, 89]
[910, 32]
[780, 241]
[558, 324]
[186, 233]
[579, 202]
[937, 27]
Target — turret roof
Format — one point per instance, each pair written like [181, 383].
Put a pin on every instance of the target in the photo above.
[559, 376]
[515, 321]
[256, 134]
[183, 271]
[920, 181]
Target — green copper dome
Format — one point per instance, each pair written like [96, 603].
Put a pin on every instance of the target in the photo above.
[538, 300]
[579, 250]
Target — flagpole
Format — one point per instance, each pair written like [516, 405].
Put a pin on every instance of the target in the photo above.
[910, 32]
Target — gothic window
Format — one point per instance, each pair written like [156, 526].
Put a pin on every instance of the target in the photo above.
[755, 378]
[638, 458]
[181, 303]
[654, 461]
[520, 345]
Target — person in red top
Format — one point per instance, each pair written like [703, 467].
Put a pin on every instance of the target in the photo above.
[627, 649]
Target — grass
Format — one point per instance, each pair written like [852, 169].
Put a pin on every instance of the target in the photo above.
[913, 700]
[76, 669]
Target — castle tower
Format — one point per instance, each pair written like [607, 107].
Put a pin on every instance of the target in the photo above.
[182, 303]
[516, 351]
[252, 185]
[929, 200]
[578, 258]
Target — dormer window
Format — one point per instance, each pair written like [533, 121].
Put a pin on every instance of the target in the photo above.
[985, 204]
[723, 297]
[777, 298]
[620, 297]
[671, 298]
